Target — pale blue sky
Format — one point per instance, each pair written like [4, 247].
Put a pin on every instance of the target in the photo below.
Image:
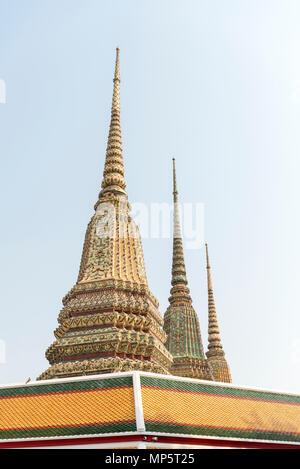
[214, 83]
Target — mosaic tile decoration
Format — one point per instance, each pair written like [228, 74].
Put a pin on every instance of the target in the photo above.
[193, 408]
[88, 407]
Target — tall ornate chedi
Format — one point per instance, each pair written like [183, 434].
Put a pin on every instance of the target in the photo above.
[215, 354]
[181, 321]
[110, 320]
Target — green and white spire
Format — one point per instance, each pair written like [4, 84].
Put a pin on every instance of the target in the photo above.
[181, 322]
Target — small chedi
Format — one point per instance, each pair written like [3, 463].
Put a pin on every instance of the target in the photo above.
[215, 354]
[181, 322]
[110, 320]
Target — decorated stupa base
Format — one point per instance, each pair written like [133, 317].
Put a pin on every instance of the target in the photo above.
[103, 319]
[220, 369]
[191, 367]
[100, 366]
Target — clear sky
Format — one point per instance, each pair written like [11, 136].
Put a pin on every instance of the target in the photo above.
[214, 83]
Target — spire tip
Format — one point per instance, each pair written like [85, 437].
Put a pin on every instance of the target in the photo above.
[207, 258]
[175, 192]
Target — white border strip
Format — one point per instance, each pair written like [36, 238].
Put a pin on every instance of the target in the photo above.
[147, 433]
[209, 437]
[138, 404]
[71, 437]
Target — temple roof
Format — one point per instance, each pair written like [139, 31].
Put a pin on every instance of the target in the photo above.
[124, 404]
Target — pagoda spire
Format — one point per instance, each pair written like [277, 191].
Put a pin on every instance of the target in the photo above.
[214, 338]
[113, 174]
[181, 322]
[215, 354]
[178, 264]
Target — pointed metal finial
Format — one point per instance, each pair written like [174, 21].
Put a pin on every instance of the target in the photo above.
[117, 67]
[209, 281]
[207, 258]
[175, 191]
